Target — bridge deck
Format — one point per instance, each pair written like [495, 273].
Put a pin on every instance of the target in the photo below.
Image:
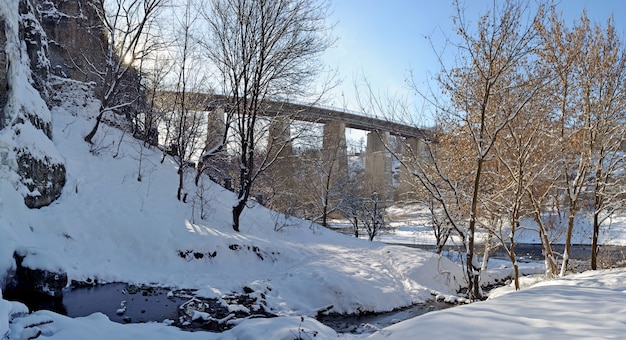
[315, 114]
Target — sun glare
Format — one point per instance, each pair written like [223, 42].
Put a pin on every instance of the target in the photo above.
[129, 58]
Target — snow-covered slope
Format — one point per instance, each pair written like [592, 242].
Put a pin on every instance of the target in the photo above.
[109, 226]
[591, 305]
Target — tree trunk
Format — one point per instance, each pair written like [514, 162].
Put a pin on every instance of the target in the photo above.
[568, 241]
[181, 179]
[550, 262]
[325, 211]
[237, 210]
[515, 273]
[594, 240]
[93, 131]
[472, 270]
[598, 204]
[513, 257]
[489, 246]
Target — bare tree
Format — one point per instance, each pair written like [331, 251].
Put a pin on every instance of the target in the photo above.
[363, 212]
[187, 122]
[351, 204]
[125, 23]
[373, 216]
[522, 153]
[323, 178]
[440, 226]
[262, 50]
[565, 47]
[154, 70]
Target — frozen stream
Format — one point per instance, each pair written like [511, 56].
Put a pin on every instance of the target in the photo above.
[124, 303]
[369, 323]
[130, 304]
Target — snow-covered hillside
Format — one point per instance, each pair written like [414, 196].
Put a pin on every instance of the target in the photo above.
[108, 226]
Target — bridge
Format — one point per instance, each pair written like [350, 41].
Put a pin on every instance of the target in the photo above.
[311, 113]
[378, 159]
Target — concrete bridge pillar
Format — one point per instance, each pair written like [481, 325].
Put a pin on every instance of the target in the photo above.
[335, 151]
[281, 179]
[279, 139]
[412, 151]
[378, 174]
[216, 127]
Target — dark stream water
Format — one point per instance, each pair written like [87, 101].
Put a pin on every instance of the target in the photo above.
[123, 303]
[131, 304]
[370, 322]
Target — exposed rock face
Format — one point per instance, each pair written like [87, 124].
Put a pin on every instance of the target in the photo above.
[23, 108]
[47, 180]
[62, 39]
[75, 39]
[32, 34]
[3, 71]
[43, 176]
[39, 289]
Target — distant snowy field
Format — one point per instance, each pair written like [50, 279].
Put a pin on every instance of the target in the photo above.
[411, 225]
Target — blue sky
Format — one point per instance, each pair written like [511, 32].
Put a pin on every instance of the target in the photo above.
[382, 40]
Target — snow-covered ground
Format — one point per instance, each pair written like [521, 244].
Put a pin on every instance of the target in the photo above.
[109, 226]
[591, 305]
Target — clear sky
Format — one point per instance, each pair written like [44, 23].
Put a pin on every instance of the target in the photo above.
[383, 39]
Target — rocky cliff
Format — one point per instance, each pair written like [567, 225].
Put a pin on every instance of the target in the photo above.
[28, 158]
[75, 40]
[45, 45]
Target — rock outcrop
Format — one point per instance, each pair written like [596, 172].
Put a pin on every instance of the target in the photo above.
[3, 71]
[37, 288]
[26, 142]
[42, 42]
[75, 40]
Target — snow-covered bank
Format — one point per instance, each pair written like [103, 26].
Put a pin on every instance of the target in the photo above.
[583, 306]
[590, 305]
[111, 227]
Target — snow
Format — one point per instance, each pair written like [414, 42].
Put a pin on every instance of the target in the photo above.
[589, 305]
[412, 225]
[110, 227]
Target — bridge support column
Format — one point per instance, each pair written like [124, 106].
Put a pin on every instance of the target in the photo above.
[378, 174]
[279, 139]
[216, 126]
[282, 178]
[335, 152]
[412, 151]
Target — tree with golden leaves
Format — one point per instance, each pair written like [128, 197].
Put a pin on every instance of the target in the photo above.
[487, 89]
